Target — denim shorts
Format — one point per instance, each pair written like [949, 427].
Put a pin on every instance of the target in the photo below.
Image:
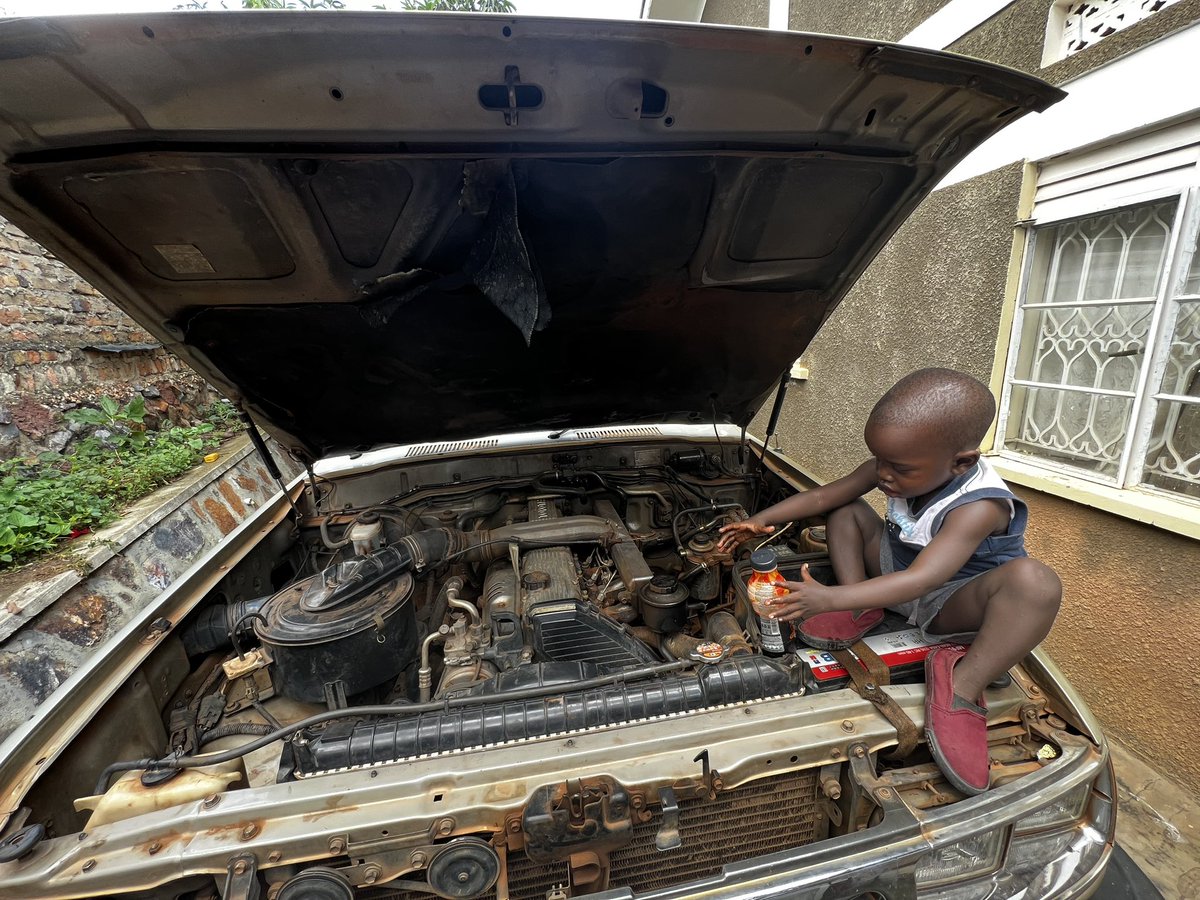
[922, 611]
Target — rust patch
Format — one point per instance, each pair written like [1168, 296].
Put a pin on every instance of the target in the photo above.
[83, 621]
[220, 516]
[231, 497]
[333, 805]
[262, 475]
[246, 483]
[235, 830]
[162, 842]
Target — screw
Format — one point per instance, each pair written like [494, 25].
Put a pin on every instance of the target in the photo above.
[419, 858]
[463, 877]
[89, 865]
[847, 725]
[249, 831]
[337, 845]
[275, 856]
[859, 752]
[211, 800]
[154, 848]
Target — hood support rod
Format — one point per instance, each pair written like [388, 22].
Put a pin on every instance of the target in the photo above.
[777, 408]
[268, 460]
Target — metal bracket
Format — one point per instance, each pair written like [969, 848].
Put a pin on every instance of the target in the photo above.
[668, 837]
[710, 776]
[241, 879]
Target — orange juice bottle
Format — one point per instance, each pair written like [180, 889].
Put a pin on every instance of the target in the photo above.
[764, 586]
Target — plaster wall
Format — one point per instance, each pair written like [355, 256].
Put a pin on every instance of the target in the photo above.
[737, 12]
[885, 20]
[931, 298]
[1127, 634]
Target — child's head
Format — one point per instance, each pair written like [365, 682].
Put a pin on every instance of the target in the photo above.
[926, 430]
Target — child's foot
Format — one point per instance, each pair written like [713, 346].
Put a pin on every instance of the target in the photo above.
[955, 727]
[838, 630]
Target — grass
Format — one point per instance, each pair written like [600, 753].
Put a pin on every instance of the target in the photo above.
[46, 501]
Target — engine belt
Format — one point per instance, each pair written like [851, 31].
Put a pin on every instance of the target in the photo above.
[867, 675]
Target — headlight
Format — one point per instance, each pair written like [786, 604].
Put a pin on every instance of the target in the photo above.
[975, 856]
[1063, 811]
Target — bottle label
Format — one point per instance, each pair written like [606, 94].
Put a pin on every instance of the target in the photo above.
[770, 635]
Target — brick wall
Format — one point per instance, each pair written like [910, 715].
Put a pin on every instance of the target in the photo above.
[62, 345]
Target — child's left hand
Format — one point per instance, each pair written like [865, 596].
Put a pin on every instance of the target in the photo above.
[805, 598]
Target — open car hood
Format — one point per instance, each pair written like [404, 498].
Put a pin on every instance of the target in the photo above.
[388, 228]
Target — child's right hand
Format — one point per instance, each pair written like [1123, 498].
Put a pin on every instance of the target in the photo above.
[736, 533]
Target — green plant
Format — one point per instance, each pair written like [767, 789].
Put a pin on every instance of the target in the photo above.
[47, 500]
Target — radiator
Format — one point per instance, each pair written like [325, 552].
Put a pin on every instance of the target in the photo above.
[770, 814]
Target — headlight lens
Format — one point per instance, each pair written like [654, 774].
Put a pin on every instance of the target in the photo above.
[1063, 811]
[970, 858]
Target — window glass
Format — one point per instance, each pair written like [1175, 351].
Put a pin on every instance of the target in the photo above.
[1173, 457]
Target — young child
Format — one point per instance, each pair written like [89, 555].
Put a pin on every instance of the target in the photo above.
[951, 557]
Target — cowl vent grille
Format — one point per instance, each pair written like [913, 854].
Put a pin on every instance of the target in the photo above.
[450, 447]
[595, 434]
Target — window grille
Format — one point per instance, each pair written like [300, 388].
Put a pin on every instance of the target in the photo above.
[1105, 372]
[1076, 25]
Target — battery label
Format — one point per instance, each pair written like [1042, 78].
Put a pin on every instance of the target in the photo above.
[896, 648]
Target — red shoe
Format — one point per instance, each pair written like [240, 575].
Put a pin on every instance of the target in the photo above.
[955, 728]
[838, 630]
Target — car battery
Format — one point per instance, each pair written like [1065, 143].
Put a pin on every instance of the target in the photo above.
[901, 647]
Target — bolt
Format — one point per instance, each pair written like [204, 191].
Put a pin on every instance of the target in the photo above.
[211, 800]
[371, 874]
[1034, 689]
[275, 856]
[374, 773]
[717, 783]
[570, 742]
[884, 793]
[463, 877]
[835, 753]
[445, 826]
[847, 725]
[249, 831]
[239, 867]
[154, 848]
[859, 752]
[831, 788]
[89, 865]
[337, 845]
[419, 858]
[514, 826]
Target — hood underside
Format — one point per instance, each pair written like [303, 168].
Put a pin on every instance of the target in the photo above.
[389, 228]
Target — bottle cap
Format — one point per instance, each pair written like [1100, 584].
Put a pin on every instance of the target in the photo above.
[764, 560]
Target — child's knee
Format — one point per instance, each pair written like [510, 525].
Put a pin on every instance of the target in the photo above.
[1035, 583]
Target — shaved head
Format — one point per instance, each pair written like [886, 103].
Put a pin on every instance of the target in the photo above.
[953, 408]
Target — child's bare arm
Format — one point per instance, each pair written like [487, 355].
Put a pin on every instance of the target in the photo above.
[802, 505]
[963, 530]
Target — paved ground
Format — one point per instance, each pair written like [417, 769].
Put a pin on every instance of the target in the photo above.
[1158, 825]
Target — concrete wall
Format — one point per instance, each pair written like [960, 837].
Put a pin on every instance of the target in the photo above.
[62, 344]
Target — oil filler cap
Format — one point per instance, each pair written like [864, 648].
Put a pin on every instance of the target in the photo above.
[466, 868]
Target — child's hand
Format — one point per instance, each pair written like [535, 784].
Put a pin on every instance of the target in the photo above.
[739, 532]
[805, 598]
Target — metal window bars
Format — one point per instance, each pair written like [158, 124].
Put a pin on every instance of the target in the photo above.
[1104, 369]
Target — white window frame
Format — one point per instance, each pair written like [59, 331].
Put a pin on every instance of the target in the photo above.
[1142, 170]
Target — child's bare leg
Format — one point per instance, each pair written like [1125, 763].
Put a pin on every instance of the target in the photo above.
[853, 532]
[1012, 607]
